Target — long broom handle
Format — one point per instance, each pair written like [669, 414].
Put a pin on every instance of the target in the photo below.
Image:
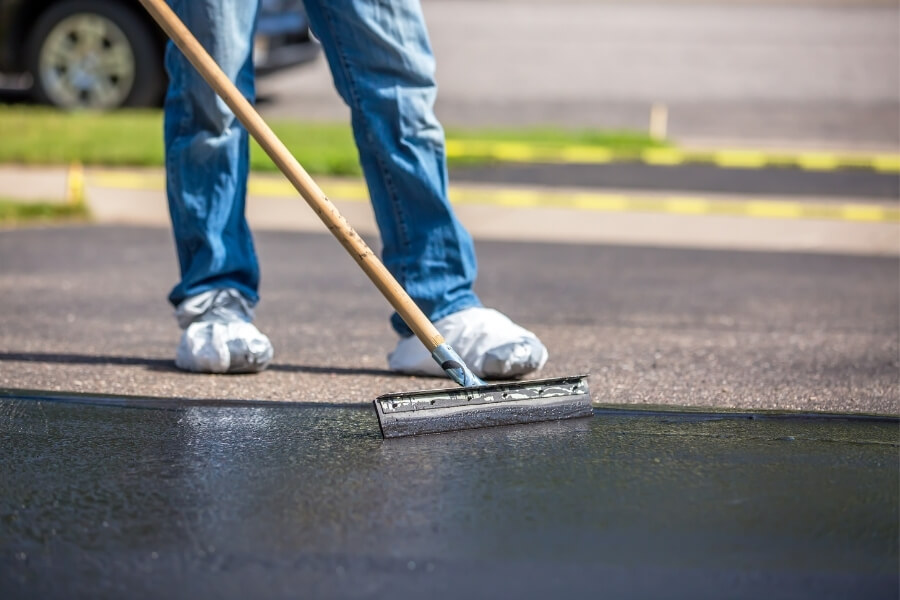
[412, 315]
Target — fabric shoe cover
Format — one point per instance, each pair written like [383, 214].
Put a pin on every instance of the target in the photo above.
[491, 345]
[219, 336]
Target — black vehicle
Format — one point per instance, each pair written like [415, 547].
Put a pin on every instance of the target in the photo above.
[104, 54]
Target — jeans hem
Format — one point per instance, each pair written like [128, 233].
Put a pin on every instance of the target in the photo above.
[177, 296]
[403, 329]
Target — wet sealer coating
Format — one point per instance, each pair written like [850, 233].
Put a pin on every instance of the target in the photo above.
[155, 498]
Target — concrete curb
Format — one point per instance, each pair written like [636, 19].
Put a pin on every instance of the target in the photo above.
[518, 213]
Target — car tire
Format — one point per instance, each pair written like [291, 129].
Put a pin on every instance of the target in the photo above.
[94, 54]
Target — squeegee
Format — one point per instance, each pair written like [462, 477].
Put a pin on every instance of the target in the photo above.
[475, 404]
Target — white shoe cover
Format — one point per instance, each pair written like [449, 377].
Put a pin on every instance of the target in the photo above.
[219, 336]
[491, 345]
[211, 347]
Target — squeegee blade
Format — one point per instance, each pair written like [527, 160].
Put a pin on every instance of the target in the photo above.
[434, 411]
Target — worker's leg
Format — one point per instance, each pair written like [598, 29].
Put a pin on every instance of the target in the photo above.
[383, 68]
[206, 182]
[207, 153]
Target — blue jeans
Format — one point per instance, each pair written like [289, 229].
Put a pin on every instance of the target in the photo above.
[383, 68]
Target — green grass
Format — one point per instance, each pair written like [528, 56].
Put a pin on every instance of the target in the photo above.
[556, 137]
[43, 136]
[12, 211]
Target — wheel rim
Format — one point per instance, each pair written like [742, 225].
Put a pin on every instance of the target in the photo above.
[86, 61]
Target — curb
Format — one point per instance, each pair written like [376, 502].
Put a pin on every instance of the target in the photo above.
[576, 200]
[733, 158]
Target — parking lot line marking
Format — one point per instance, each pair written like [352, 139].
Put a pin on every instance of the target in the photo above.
[579, 200]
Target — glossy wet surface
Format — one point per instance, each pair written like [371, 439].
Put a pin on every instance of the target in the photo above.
[161, 499]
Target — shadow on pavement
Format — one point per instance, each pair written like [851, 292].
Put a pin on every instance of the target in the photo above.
[157, 402]
[88, 359]
[168, 365]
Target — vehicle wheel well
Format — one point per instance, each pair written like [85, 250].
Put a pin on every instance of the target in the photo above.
[146, 77]
[31, 12]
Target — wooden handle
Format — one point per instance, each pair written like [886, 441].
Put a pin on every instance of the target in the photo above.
[296, 174]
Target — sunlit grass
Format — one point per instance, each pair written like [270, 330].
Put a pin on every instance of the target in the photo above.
[43, 136]
[12, 211]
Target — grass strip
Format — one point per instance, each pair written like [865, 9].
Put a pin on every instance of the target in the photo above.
[13, 211]
[44, 136]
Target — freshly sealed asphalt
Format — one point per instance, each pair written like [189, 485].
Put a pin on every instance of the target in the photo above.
[149, 498]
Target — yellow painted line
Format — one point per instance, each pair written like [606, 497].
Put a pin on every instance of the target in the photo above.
[887, 163]
[349, 190]
[687, 206]
[457, 148]
[662, 156]
[600, 202]
[75, 184]
[743, 159]
[773, 210]
[127, 180]
[723, 157]
[818, 161]
[523, 198]
[850, 212]
[257, 186]
[345, 190]
[512, 152]
[586, 154]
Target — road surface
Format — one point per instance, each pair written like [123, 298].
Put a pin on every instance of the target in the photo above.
[812, 73]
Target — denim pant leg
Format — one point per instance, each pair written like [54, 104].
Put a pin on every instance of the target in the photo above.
[207, 153]
[383, 68]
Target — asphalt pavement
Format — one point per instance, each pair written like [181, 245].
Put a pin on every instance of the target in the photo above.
[761, 182]
[731, 290]
[85, 310]
[797, 73]
[164, 498]
[125, 477]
